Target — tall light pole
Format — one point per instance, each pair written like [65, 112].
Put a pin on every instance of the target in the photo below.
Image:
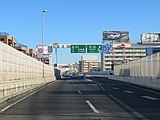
[43, 11]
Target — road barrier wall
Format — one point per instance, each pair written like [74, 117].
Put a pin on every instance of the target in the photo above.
[20, 73]
[144, 82]
[144, 72]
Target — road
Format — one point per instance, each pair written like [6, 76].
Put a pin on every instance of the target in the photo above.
[97, 99]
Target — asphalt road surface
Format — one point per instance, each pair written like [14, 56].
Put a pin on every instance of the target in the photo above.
[96, 99]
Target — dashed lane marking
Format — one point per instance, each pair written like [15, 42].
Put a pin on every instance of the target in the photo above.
[73, 83]
[128, 108]
[150, 98]
[130, 92]
[79, 92]
[89, 80]
[101, 87]
[91, 106]
[116, 88]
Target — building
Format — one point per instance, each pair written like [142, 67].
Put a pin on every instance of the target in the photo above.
[120, 49]
[75, 66]
[119, 55]
[22, 48]
[86, 66]
[32, 52]
[9, 40]
[67, 70]
[89, 63]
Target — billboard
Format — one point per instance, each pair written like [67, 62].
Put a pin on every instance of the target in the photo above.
[150, 38]
[117, 36]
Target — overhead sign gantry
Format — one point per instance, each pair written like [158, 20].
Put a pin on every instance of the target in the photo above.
[81, 48]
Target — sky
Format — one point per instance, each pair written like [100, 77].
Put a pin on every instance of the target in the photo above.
[76, 21]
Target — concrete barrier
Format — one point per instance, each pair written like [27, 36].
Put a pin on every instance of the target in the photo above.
[144, 71]
[20, 73]
[145, 82]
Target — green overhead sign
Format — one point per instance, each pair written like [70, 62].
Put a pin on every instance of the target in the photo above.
[78, 48]
[94, 48]
[84, 48]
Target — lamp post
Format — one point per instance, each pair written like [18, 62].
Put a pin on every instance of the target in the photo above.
[43, 11]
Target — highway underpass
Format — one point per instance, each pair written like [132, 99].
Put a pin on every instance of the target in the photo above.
[85, 99]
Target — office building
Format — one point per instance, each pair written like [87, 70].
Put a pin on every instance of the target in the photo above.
[119, 55]
[120, 49]
[89, 63]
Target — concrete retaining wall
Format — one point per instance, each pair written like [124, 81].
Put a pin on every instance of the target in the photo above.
[19, 72]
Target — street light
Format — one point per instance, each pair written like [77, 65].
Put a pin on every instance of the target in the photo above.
[43, 11]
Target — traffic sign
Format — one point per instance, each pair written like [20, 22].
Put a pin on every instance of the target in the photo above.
[111, 49]
[123, 46]
[106, 49]
[40, 50]
[94, 48]
[78, 48]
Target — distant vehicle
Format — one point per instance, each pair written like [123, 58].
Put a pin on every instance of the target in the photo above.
[114, 36]
[77, 75]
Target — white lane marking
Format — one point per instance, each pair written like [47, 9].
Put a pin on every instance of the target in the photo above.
[101, 87]
[91, 106]
[89, 80]
[79, 92]
[73, 83]
[144, 89]
[128, 108]
[150, 98]
[115, 88]
[130, 92]
[4, 109]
